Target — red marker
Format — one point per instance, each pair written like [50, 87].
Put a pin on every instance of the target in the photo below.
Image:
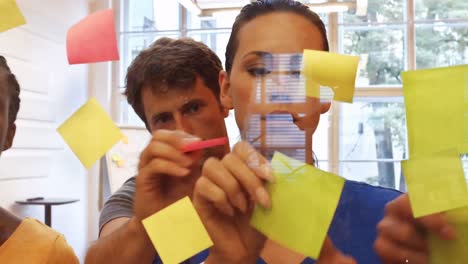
[205, 144]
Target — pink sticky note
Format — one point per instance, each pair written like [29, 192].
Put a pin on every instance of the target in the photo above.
[205, 144]
[93, 39]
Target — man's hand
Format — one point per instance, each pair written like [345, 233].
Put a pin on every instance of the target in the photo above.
[165, 173]
[402, 238]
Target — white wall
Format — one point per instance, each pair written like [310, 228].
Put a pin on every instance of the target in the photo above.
[100, 85]
[51, 91]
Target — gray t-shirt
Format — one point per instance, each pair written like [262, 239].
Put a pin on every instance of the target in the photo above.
[120, 204]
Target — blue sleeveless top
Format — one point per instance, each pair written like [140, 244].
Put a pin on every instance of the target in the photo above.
[353, 229]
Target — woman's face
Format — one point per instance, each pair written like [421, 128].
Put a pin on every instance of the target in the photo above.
[279, 32]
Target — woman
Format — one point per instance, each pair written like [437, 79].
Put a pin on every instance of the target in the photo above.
[222, 195]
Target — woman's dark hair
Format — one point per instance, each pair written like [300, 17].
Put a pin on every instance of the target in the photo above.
[263, 7]
[13, 90]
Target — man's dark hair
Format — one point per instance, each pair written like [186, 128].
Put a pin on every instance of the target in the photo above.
[13, 90]
[264, 7]
[171, 64]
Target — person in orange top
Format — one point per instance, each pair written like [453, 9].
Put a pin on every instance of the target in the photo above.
[24, 240]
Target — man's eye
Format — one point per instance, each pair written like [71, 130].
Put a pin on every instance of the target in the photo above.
[162, 119]
[194, 108]
[258, 71]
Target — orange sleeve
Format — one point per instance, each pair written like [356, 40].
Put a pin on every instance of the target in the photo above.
[62, 253]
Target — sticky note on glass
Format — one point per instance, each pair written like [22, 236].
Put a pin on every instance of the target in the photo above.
[177, 232]
[10, 15]
[436, 109]
[90, 132]
[455, 251]
[333, 70]
[304, 200]
[93, 39]
[436, 183]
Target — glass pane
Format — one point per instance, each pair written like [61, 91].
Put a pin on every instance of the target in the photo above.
[320, 140]
[131, 45]
[323, 165]
[383, 173]
[373, 129]
[441, 45]
[372, 136]
[128, 116]
[151, 15]
[223, 19]
[382, 51]
[218, 20]
[378, 11]
[436, 9]
[232, 129]
[216, 40]
[465, 166]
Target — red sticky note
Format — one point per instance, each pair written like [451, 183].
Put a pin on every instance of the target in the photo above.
[93, 39]
[205, 144]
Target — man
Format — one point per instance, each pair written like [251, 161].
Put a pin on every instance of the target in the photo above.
[27, 240]
[173, 87]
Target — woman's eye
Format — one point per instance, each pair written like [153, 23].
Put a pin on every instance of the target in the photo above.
[295, 73]
[258, 71]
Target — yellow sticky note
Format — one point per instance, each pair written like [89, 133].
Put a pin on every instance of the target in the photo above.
[177, 232]
[304, 200]
[10, 15]
[336, 71]
[435, 183]
[436, 109]
[115, 157]
[90, 132]
[456, 251]
[120, 163]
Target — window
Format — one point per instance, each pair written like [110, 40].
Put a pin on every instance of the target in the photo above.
[441, 30]
[363, 141]
[373, 140]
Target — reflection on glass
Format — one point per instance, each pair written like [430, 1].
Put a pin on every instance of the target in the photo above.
[217, 20]
[451, 47]
[281, 115]
[150, 15]
[378, 11]
[373, 135]
[436, 10]
[128, 116]
[216, 40]
[382, 52]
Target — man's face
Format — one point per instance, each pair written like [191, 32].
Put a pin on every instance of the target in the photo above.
[194, 110]
[5, 142]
